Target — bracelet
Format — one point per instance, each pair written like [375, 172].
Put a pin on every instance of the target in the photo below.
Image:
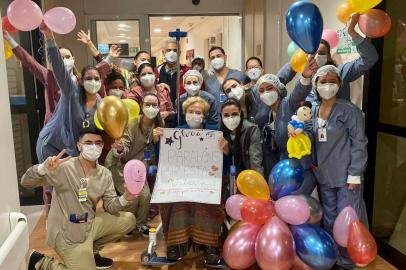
[98, 58]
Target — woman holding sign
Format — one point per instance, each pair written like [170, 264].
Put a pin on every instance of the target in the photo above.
[137, 143]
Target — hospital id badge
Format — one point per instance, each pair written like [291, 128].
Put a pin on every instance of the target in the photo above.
[322, 132]
[82, 194]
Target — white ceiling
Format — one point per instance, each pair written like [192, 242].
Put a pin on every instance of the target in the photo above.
[118, 32]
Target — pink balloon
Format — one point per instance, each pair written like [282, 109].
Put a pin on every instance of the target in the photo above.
[274, 248]
[239, 247]
[293, 209]
[341, 228]
[331, 36]
[233, 206]
[60, 20]
[135, 175]
[24, 15]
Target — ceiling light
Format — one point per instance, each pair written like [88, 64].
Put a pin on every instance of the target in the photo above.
[124, 29]
[157, 30]
[166, 18]
[123, 25]
[122, 41]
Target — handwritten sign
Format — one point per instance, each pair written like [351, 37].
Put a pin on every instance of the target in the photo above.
[190, 167]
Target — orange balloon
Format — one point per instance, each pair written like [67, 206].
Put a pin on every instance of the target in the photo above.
[253, 185]
[344, 11]
[257, 211]
[298, 61]
[361, 244]
[113, 116]
[375, 23]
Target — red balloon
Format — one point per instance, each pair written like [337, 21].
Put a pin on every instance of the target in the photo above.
[257, 211]
[7, 25]
[375, 23]
[361, 244]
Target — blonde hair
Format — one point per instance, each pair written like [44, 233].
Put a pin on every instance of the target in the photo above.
[192, 100]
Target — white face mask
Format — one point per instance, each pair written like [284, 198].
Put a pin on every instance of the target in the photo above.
[254, 73]
[232, 122]
[269, 97]
[116, 92]
[91, 152]
[194, 120]
[150, 112]
[327, 90]
[236, 92]
[192, 89]
[92, 86]
[217, 63]
[148, 80]
[171, 57]
[69, 63]
[321, 60]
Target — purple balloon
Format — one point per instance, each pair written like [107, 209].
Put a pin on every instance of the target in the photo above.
[274, 248]
[341, 228]
[293, 209]
[135, 175]
[233, 206]
[239, 247]
[60, 20]
[24, 15]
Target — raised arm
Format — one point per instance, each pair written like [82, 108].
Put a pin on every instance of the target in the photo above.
[85, 39]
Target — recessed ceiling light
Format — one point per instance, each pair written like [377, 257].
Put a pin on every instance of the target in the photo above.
[122, 41]
[124, 29]
[123, 25]
[157, 30]
[166, 18]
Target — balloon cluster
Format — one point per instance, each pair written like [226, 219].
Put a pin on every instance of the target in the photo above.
[374, 23]
[26, 15]
[262, 233]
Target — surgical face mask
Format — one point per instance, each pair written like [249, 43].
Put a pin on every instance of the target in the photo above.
[91, 152]
[148, 80]
[150, 111]
[92, 86]
[69, 63]
[171, 57]
[327, 90]
[217, 63]
[236, 92]
[194, 120]
[321, 60]
[192, 89]
[115, 92]
[232, 122]
[269, 97]
[254, 73]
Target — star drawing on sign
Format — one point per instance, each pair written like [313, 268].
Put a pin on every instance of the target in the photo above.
[169, 141]
[201, 139]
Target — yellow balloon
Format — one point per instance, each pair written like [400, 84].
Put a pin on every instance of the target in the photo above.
[253, 184]
[362, 6]
[97, 122]
[8, 52]
[344, 11]
[113, 116]
[298, 61]
[299, 146]
[133, 108]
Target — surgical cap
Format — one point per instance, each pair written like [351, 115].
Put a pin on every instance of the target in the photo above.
[195, 73]
[274, 80]
[324, 70]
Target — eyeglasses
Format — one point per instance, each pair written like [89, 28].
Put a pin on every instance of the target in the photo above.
[97, 143]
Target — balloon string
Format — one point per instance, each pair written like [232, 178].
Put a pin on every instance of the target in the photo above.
[41, 48]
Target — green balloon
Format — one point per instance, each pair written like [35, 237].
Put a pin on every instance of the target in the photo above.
[292, 48]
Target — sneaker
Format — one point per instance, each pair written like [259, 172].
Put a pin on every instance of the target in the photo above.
[144, 230]
[211, 256]
[33, 258]
[101, 262]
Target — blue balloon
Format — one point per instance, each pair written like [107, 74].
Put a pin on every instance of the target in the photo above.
[286, 177]
[305, 25]
[314, 246]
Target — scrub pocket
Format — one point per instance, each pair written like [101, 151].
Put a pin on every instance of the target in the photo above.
[74, 233]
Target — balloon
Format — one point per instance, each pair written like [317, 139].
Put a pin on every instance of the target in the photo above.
[113, 116]
[256, 211]
[274, 248]
[135, 175]
[8, 52]
[239, 247]
[97, 122]
[235, 226]
[299, 265]
[24, 15]
[298, 61]
[331, 36]
[344, 11]
[361, 244]
[286, 177]
[375, 23]
[293, 209]
[133, 108]
[342, 224]
[299, 146]
[7, 25]
[61, 20]
[316, 212]
[233, 206]
[314, 246]
[361, 6]
[292, 48]
[305, 25]
[252, 184]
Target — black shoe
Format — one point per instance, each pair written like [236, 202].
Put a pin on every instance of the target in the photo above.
[101, 262]
[173, 253]
[144, 230]
[338, 267]
[211, 256]
[33, 258]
